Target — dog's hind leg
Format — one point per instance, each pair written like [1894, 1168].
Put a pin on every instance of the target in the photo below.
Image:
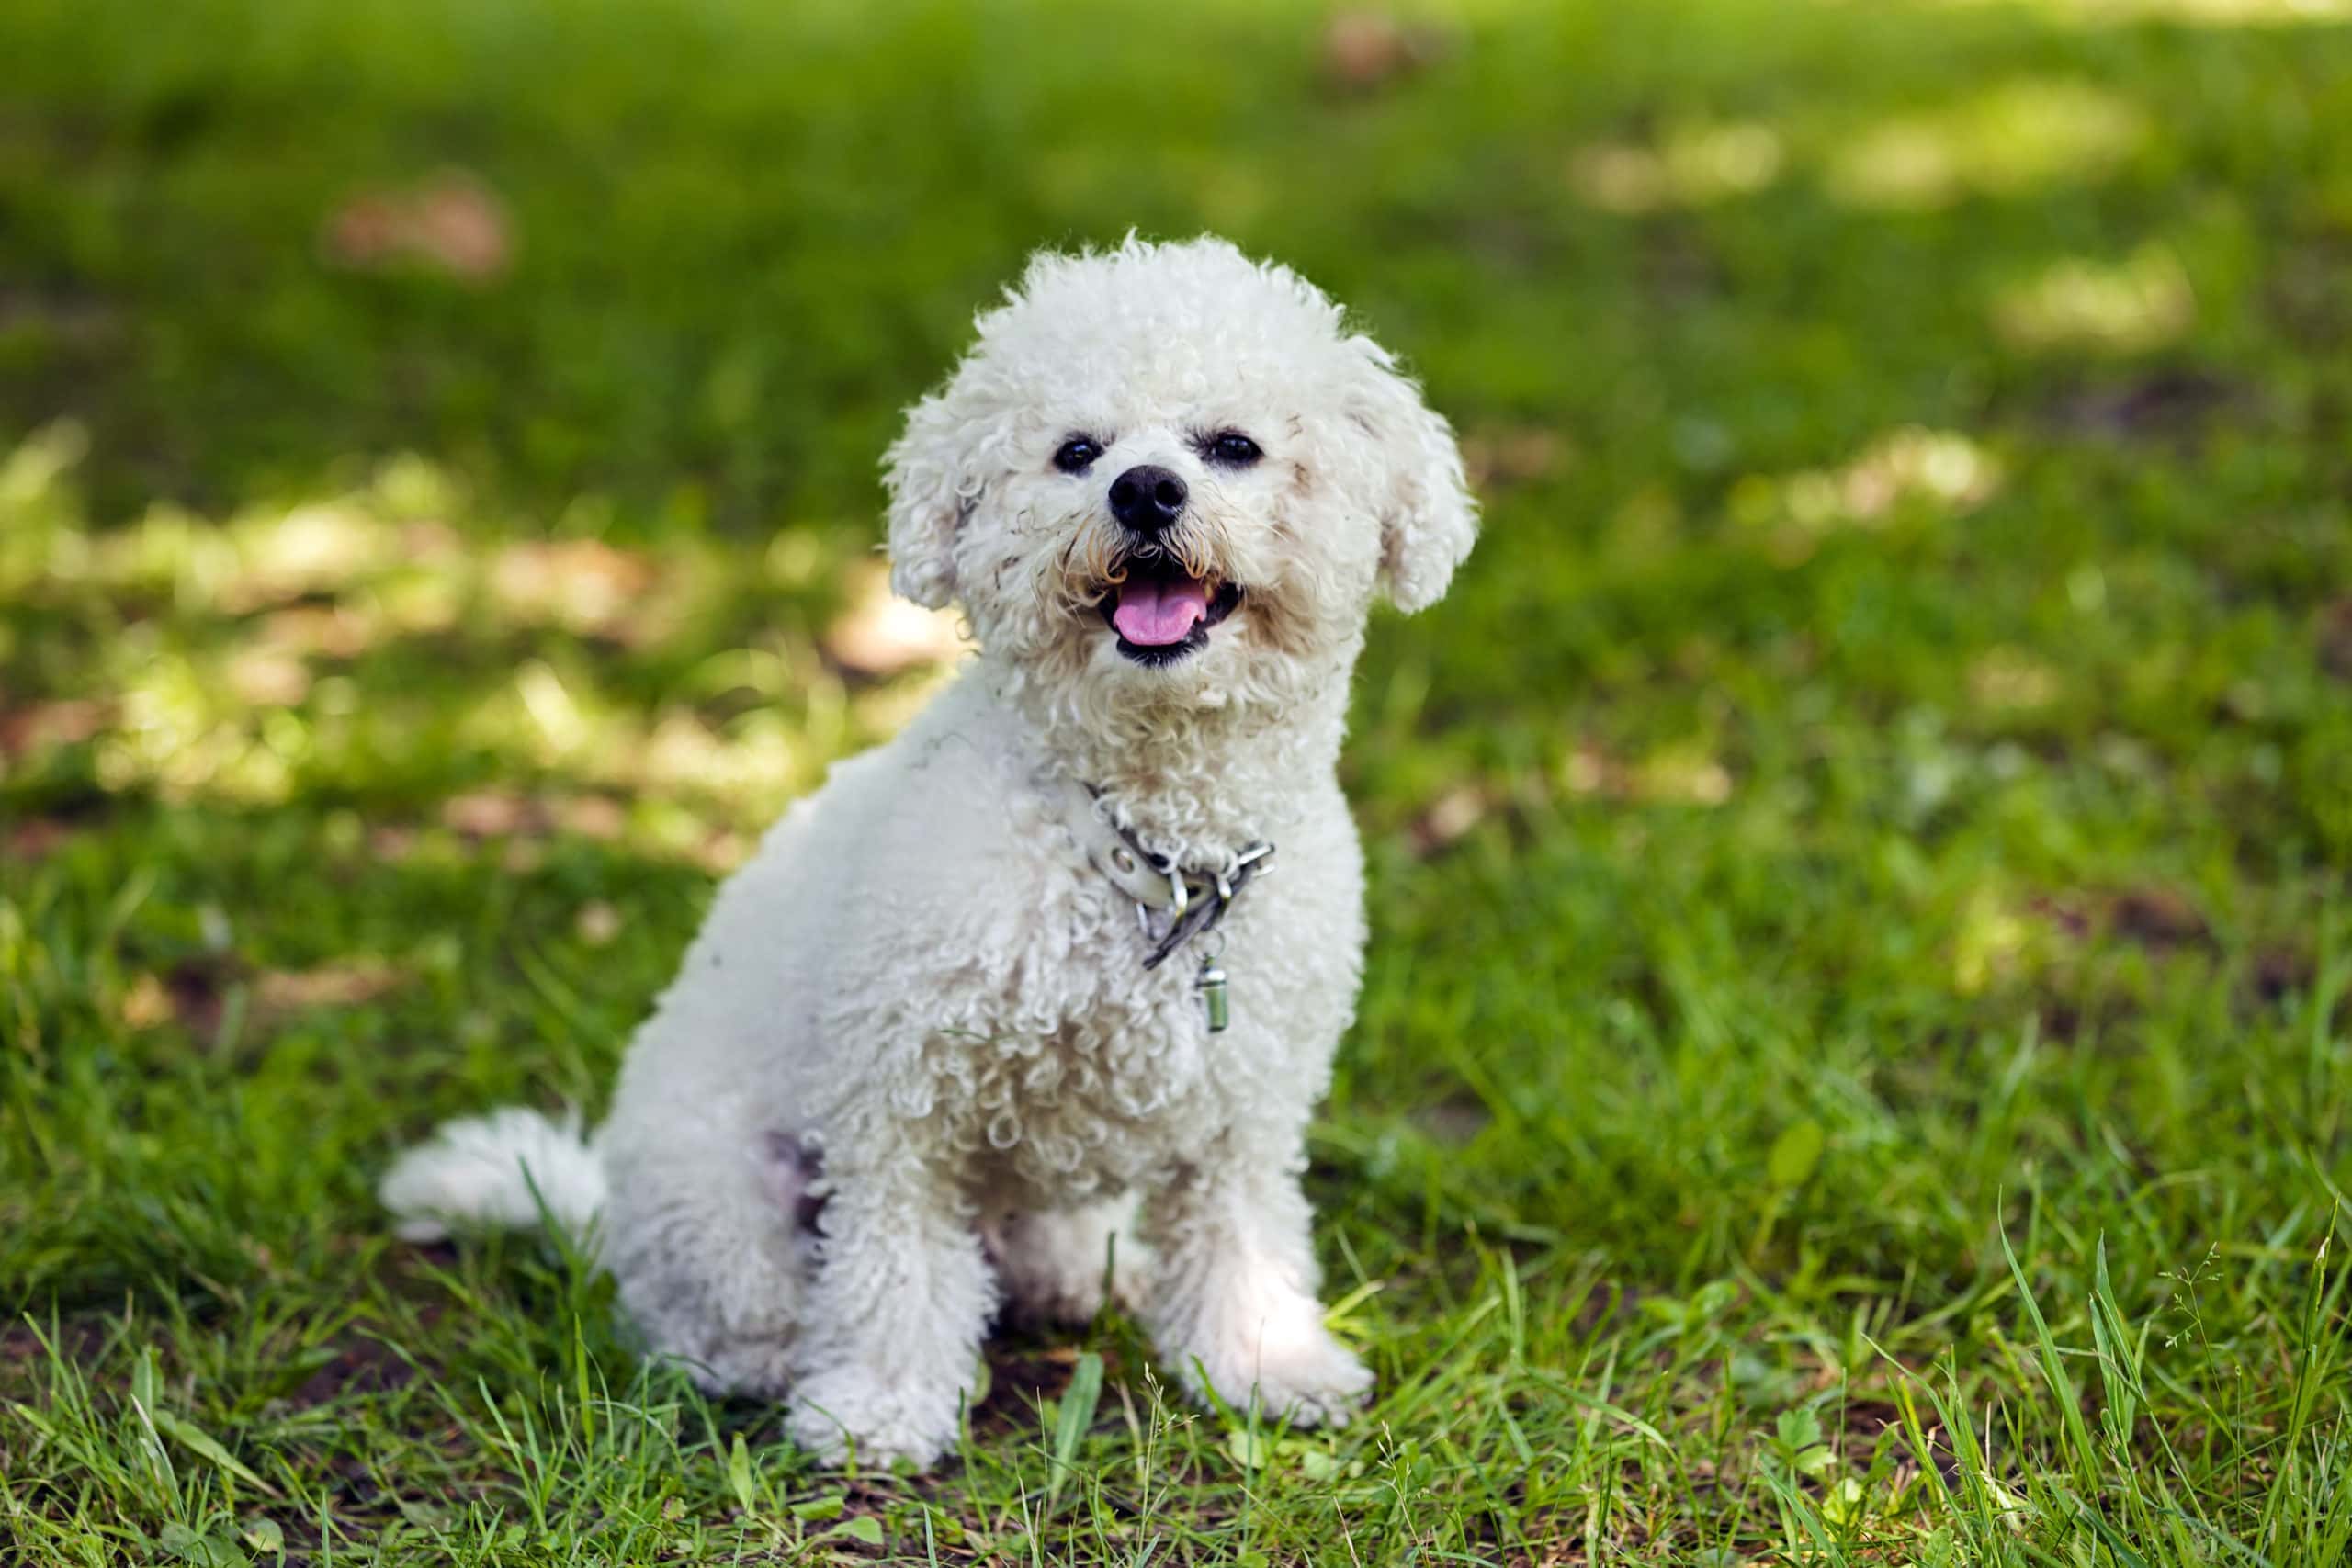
[706, 1237]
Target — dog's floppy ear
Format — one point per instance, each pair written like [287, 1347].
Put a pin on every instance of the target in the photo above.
[1427, 519]
[933, 490]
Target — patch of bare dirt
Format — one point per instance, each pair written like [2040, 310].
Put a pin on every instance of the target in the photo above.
[2163, 405]
[25, 727]
[2157, 918]
[449, 222]
[1455, 1120]
[2280, 973]
[1513, 456]
[195, 992]
[582, 585]
[68, 318]
[78, 1341]
[2334, 633]
[1022, 1373]
[362, 1365]
[498, 813]
[1366, 51]
[878, 635]
[2160, 918]
[34, 839]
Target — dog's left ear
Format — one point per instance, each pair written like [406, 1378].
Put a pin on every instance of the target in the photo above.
[928, 474]
[1427, 518]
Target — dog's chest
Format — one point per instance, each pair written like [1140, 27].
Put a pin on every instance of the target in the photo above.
[1097, 1075]
[1013, 1028]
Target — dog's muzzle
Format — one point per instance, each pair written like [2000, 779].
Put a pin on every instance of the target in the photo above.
[1161, 611]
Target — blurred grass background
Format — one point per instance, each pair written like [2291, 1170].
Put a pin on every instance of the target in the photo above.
[1882, 791]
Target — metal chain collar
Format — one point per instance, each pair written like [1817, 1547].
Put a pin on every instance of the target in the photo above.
[1191, 900]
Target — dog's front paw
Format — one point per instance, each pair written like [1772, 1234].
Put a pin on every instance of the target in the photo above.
[1288, 1361]
[836, 1415]
[1316, 1383]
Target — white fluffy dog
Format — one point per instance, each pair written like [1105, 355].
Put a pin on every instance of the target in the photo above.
[924, 1055]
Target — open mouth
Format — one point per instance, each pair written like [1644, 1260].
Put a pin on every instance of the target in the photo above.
[1161, 611]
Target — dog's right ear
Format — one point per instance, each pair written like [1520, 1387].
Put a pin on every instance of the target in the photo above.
[933, 490]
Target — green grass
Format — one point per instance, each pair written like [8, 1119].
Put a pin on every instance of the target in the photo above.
[1853, 1066]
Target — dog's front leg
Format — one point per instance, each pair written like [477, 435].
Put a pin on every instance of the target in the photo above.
[902, 1296]
[1232, 1303]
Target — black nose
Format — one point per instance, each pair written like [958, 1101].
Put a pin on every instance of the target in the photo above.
[1146, 499]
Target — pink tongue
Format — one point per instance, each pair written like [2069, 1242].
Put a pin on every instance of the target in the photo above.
[1152, 613]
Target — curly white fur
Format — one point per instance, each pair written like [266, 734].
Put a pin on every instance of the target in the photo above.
[920, 1007]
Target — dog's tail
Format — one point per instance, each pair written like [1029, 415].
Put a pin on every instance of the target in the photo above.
[501, 1172]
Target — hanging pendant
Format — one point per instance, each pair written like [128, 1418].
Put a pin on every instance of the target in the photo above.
[1210, 983]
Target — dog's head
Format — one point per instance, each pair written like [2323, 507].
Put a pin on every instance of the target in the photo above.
[1169, 471]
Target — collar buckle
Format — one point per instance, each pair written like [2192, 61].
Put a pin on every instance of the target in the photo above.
[1192, 901]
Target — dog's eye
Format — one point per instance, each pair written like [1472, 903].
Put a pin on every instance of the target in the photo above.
[1078, 455]
[1233, 449]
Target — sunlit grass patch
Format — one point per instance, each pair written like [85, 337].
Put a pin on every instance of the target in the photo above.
[1690, 165]
[585, 586]
[1908, 473]
[250, 660]
[2196, 12]
[2129, 307]
[2010, 678]
[2008, 140]
[878, 633]
[1990, 937]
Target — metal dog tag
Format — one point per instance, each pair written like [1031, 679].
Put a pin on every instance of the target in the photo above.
[1210, 983]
